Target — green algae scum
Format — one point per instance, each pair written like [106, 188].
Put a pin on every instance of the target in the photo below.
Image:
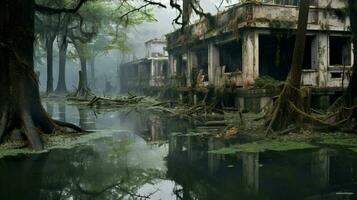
[144, 155]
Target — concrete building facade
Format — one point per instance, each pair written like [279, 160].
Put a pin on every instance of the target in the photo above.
[253, 39]
[150, 71]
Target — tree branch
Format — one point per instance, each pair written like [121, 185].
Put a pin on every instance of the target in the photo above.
[51, 11]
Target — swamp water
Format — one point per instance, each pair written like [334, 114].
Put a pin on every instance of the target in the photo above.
[141, 155]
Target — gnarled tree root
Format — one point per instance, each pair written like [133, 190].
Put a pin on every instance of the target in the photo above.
[290, 109]
[30, 126]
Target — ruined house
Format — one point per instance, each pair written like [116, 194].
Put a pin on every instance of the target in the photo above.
[150, 71]
[254, 39]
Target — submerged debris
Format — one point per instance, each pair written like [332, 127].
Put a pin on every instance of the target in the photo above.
[117, 101]
[262, 146]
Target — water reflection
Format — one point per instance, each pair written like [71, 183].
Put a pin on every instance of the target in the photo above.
[147, 155]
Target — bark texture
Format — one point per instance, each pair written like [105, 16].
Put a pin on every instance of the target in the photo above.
[347, 107]
[92, 72]
[21, 111]
[61, 85]
[49, 49]
[83, 89]
[283, 112]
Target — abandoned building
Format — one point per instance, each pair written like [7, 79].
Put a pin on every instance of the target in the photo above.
[255, 39]
[150, 71]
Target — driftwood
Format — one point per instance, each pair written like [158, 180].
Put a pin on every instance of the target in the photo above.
[123, 101]
[216, 123]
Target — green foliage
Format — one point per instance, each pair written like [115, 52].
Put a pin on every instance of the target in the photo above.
[267, 82]
[99, 26]
[340, 140]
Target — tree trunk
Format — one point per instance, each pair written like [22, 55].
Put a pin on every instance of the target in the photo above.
[347, 105]
[83, 61]
[92, 72]
[350, 95]
[61, 85]
[186, 12]
[294, 77]
[49, 49]
[82, 90]
[283, 112]
[21, 110]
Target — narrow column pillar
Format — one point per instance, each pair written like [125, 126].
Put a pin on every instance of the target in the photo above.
[250, 57]
[152, 72]
[322, 59]
[191, 63]
[172, 65]
[250, 173]
[213, 62]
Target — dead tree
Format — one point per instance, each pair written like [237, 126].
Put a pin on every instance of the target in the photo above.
[283, 112]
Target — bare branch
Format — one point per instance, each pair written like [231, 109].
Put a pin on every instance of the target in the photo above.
[51, 11]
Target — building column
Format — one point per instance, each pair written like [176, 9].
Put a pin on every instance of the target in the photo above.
[352, 55]
[152, 72]
[250, 178]
[172, 65]
[320, 169]
[322, 59]
[213, 62]
[191, 63]
[140, 74]
[250, 46]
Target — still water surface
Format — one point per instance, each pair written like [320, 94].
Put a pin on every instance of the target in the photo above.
[144, 159]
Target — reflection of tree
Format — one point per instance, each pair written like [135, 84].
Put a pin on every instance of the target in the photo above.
[62, 111]
[250, 172]
[189, 169]
[15, 177]
[49, 108]
[320, 168]
[85, 122]
[101, 171]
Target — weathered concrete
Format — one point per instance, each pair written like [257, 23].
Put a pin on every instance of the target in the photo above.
[322, 59]
[152, 70]
[247, 20]
[213, 62]
[250, 57]
[191, 63]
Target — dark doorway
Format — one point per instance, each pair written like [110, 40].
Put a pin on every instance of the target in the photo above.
[275, 54]
[202, 59]
[231, 56]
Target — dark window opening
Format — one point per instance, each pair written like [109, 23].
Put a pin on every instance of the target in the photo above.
[202, 61]
[230, 56]
[181, 69]
[309, 51]
[336, 74]
[165, 69]
[340, 51]
[275, 55]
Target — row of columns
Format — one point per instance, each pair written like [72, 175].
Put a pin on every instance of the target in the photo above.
[152, 71]
[250, 60]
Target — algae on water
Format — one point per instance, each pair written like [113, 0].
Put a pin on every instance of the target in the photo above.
[265, 145]
[342, 141]
[62, 141]
[354, 149]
